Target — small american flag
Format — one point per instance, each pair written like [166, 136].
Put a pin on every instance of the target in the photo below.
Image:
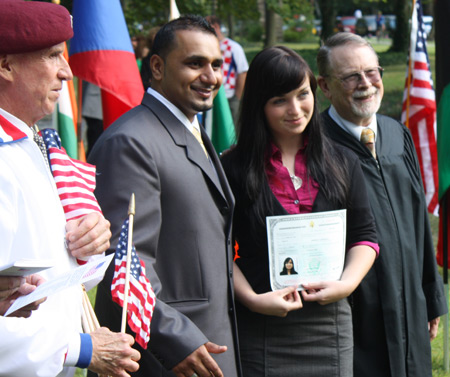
[75, 180]
[419, 108]
[141, 300]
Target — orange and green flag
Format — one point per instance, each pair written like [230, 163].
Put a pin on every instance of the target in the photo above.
[67, 117]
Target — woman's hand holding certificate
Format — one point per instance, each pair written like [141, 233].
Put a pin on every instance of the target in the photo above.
[359, 259]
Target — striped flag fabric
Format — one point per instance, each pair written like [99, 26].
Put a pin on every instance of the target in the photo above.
[419, 108]
[66, 109]
[141, 299]
[75, 180]
[101, 53]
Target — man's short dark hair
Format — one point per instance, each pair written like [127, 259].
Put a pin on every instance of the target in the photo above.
[165, 38]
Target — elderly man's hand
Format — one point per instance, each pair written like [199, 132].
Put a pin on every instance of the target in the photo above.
[88, 235]
[13, 287]
[112, 354]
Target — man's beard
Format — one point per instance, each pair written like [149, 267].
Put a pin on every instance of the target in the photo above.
[366, 110]
[204, 105]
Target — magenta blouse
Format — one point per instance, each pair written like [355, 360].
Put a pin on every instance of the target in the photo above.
[280, 182]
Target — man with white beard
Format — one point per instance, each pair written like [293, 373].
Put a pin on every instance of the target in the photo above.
[397, 306]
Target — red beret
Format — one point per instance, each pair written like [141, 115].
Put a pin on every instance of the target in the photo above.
[27, 26]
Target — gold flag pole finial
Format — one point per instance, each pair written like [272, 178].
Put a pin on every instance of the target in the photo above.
[132, 206]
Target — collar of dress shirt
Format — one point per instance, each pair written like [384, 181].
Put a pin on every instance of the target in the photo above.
[175, 110]
[273, 152]
[350, 127]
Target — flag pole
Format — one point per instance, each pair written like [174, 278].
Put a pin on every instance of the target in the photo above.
[88, 317]
[131, 212]
[408, 79]
[79, 120]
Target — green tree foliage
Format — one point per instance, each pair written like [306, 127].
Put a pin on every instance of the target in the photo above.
[290, 11]
[242, 16]
[141, 15]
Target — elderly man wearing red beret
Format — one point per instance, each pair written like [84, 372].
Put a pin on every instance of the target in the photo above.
[32, 221]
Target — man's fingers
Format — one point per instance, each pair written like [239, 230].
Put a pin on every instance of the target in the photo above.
[26, 289]
[9, 285]
[112, 353]
[201, 362]
[88, 236]
[78, 227]
[215, 348]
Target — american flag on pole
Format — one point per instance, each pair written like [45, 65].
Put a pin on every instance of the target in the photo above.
[75, 180]
[141, 300]
[419, 108]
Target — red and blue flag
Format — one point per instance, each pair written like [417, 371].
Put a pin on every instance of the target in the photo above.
[101, 53]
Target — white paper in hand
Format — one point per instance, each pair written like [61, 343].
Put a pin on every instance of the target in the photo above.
[80, 275]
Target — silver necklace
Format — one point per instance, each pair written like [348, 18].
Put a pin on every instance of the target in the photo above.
[296, 181]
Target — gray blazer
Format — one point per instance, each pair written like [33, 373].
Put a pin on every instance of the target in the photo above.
[182, 231]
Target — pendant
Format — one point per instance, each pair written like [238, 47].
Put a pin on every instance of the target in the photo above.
[297, 182]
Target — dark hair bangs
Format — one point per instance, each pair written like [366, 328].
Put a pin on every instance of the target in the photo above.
[285, 76]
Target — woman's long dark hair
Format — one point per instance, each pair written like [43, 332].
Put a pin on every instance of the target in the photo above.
[273, 72]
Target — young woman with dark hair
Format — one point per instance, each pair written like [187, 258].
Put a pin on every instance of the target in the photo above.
[288, 267]
[284, 164]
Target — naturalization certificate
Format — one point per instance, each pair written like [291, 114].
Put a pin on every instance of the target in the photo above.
[306, 248]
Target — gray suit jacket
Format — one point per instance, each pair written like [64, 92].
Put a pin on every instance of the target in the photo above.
[182, 231]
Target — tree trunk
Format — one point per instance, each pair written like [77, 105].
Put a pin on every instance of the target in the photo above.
[442, 25]
[403, 11]
[230, 19]
[271, 35]
[328, 9]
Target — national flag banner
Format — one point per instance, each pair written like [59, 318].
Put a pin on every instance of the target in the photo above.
[67, 116]
[443, 122]
[419, 108]
[141, 299]
[101, 53]
[442, 30]
[75, 180]
[218, 123]
[222, 133]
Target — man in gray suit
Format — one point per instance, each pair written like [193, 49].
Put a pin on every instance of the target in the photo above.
[184, 208]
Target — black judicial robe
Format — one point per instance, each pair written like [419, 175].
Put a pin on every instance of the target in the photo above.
[403, 290]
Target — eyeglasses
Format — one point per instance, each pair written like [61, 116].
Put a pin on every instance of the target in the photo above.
[352, 80]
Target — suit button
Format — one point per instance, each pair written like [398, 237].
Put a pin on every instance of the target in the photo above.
[224, 210]
[231, 274]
